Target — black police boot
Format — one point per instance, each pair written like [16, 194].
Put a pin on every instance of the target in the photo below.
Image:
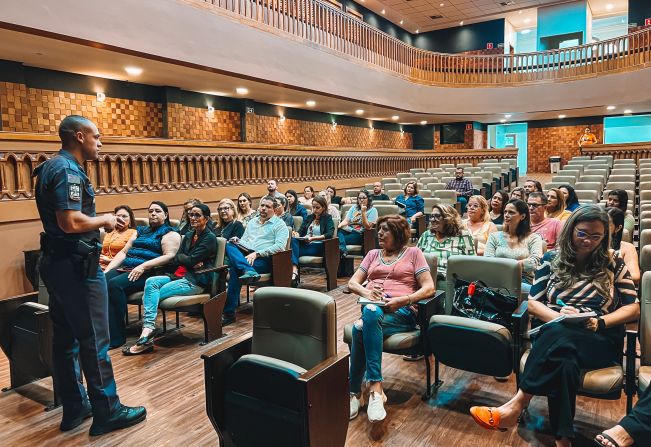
[122, 418]
[72, 421]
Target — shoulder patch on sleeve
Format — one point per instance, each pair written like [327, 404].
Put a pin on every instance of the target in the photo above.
[74, 191]
[72, 178]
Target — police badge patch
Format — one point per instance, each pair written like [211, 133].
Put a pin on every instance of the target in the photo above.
[74, 187]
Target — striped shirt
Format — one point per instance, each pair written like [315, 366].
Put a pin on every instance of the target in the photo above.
[453, 245]
[583, 292]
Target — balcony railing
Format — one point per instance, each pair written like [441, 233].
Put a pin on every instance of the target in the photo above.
[330, 27]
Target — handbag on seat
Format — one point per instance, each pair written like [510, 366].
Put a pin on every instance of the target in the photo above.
[478, 301]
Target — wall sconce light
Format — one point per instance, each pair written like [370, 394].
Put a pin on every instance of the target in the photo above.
[101, 96]
[282, 118]
[334, 124]
[371, 128]
[211, 109]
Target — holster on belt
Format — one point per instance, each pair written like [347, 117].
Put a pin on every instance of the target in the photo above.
[88, 251]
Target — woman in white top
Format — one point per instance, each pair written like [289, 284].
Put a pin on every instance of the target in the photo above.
[516, 241]
[479, 223]
[332, 210]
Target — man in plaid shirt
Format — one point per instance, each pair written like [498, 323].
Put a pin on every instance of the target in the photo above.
[462, 186]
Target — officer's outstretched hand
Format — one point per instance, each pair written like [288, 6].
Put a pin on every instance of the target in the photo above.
[110, 222]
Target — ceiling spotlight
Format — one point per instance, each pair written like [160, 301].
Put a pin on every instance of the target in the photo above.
[609, 7]
[422, 123]
[101, 96]
[527, 20]
[359, 112]
[417, 31]
[502, 120]
[211, 109]
[525, 31]
[401, 22]
[628, 111]
[384, 11]
[611, 108]
[395, 117]
[561, 116]
[442, 4]
[508, 115]
[133, 71]
[310, 103]
[334, 124]
[242, 90]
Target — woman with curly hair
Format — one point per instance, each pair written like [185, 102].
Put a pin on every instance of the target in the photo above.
[584, 274]
[446, 237]
[479, 223]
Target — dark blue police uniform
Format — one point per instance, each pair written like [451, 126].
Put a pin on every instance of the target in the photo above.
[78, 305]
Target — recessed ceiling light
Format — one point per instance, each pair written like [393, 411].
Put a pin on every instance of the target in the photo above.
[442, 4]
[384, 11]
[395, 117]
[611, 108]
[628, 111]
[527, 20]
[423, 122]
[133, 71]
[359, 112]
[525, 31]
[310, 103]
[502, 120]
[609, 6]
[508, 115]
[242, 90]
[561, 116]
[417, 31]
[401, 22]
[461, 23]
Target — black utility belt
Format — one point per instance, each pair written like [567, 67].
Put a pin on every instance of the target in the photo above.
[88, 251]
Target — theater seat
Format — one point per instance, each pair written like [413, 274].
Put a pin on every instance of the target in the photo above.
[284, 384]
[329, 261]
[644, 374]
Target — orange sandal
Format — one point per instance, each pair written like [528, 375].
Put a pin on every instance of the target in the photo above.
[488, 418]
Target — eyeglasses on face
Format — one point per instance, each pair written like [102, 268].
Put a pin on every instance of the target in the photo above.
[534, 205]
[435, 217]
[195, 215]
[591, 237]
[473, 205]
[224, 208]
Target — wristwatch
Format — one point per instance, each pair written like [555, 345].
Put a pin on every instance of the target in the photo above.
[601, 323]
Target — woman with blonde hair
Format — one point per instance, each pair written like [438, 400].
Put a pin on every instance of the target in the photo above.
[479, 222]
[555, 207]
[446, 237]
[332, 210]
[226, 225]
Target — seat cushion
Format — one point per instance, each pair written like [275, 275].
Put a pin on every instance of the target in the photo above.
[182, 301]
[264, 278]
[395, 343]
[644, 378]
[311, 260]
[471, 324]
[135, 298]
[354, 249]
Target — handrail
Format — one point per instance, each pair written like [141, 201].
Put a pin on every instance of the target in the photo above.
[323, 24]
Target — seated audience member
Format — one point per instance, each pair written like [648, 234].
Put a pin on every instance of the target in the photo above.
[546, 227]
[623, 249]
[272, 189]
[361, 216]
[446, 237]
[618, 198]
[633, 429]
[115, 240]
[397, 276]
[478, 223]
[152, 246]
[280, 209]
[532, 186]
[411, 204]
[462, 186]
[332, 210]
[197, 251]
[184, 223]
[517, 241]
[317, 227]
[583, 275]
[227, 226]
[555, 207]
[334, 198]
[245, 211]
[587, 138]
[377, 192]
[308, 195]
[497, 204]
[293, 205]
[518, 193]
[571, 200]
[249, 256]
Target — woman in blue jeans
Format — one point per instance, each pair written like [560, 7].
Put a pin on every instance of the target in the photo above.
[308, 240]
[394, 277]
[361, 216]
[197, 251]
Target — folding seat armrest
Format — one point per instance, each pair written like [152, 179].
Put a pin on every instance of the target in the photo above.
[429, 307]
[421, 225]
[7, 311]
[217, 269]
[368, 242]
[520, 320]
[631, 359]
[331, 256]
[281, 268]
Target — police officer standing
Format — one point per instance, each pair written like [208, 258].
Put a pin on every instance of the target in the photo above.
[78, 296]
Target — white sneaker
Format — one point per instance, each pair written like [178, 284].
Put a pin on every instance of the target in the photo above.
[355, 405]
[375, 410]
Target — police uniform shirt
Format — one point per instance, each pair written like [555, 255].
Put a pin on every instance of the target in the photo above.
[62, 184]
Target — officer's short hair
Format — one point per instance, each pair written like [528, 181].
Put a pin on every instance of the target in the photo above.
[72, 124]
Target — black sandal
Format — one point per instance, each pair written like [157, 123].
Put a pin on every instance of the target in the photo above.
[295, 281]
[147, 342]
[607, 438]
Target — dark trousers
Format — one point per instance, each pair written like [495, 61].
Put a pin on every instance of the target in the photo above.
[79, 313]
[638, 422]
[304, 248]
[119, 287]
[348, 238]
[553, 368]
[238, 265]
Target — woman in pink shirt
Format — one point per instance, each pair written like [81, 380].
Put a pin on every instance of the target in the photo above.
[395, 276]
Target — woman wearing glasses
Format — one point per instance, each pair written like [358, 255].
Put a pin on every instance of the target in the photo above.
[245, 211]
[227, 226]
[479, 223]
[197, 251]
[395, 276]
[516, 241]
[446, 237]
[584, 274]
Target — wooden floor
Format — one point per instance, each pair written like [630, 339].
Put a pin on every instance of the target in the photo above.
[169, 383]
